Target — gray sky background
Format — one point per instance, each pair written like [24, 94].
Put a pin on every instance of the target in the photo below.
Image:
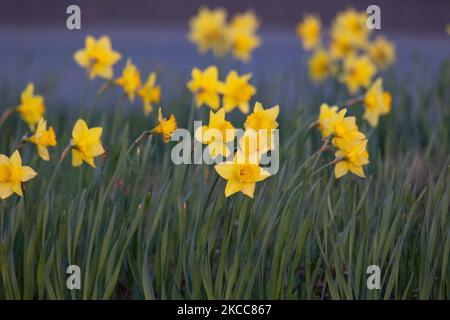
[423, 16]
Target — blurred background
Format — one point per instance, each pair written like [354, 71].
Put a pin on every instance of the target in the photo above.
[36, 45]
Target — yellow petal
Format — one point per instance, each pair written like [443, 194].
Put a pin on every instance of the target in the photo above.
[232, 187]
[95, 133]
[5, 190]
[341, 169]
[225, 170]
[77, 159]
[249, 189]
[79, 130]
[16, 160]
[27, 173]
[17, 188]
[43, 153]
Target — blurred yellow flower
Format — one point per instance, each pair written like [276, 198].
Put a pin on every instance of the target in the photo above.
[237, 92]
[242, 31]
[382, 52]
[43, 139]
[327, 114]
[321, 65]
[216, 134]
[150, 93]
[358, 72]
[377, 102]
[165, 127]
[13, 174]
[130, 80]
[97, 57]
[31, 106]
[341, 45]
[86, 144]
[241, 175]
[208, 29]
[309, 31]
[352, 156]
[352, 23]
[205, 85]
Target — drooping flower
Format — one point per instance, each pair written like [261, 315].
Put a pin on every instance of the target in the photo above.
[86, 144]
[321, 65]
[237, 92]
[208, 29]
[352, 156]
[43, 139]
[241, 175]
[358, 72]
[205, 86]
[13, 174]
[377, 102]
[130, 80]
[242, 33]
[165, 127]
[309, 31]
[31, 106]
[216, 134]
[97, 57]
[150, 93]
[382, 52]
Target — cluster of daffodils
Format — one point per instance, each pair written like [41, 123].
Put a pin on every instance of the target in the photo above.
[346, 139]
[351, 56]
[211, 31]
[243, 170]
[235, 90]
[98, 58]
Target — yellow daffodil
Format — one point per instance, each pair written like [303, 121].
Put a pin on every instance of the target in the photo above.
[13, 174]
[165, 127]
[341, 45]
[358, 72]
[309, 32]
[241, 175]
[321, 65]
[150, 93]
[237, 92]
[334, 123]
[242, 35]
[208, 29]
[205, 85]
[382, 52]
[31, 106]
[130, 80]
[262, 120]
[377, 102]
[354, 24]
[216, 134]
[43, 139]
[86, 144]
[352, 156]
[97, 57]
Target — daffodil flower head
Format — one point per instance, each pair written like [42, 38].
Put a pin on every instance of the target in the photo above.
[150, 93]
[358, 72]
[241, 175]
[237, 92]
[165, 127]
[130, 80]
[321, 65]
[352, 23]
[13, 174]
[352, 156]
[377, 102]
[205, 87]
[242, 31]
[308, 30]
[216, 134]
[382, 52]
[253, 144]
[86, 144]
[31, 106]
[209, 30]
[327, 115]
[43, 139]
[97, 57]
[263, 119]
